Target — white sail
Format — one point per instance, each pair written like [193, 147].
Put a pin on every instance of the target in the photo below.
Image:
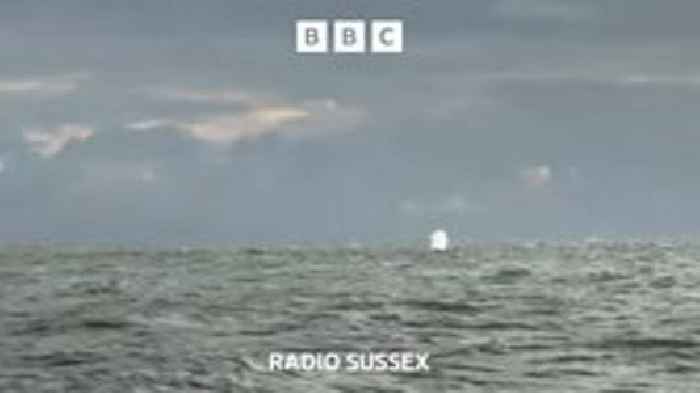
[439, 240]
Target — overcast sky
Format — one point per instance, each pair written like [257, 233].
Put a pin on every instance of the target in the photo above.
[173, 122]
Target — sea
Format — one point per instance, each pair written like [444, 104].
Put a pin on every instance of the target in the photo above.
[597, 316]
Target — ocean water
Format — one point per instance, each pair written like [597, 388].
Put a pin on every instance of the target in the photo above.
[590, 317]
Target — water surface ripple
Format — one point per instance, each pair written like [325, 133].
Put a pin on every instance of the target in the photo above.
[608, 317]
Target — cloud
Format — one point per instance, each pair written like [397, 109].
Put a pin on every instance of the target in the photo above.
[251, 115]
[148, 175]
[147, 125]
[307, 118]
[536, 175]
[50, 86]
[2, 165]
[660, 80]
[326, 115]
[543, 9]
[48, 142]
[110, 178]
[247, 125]
[449, 205]
[210, 96]
[118, 173]
[605, 78]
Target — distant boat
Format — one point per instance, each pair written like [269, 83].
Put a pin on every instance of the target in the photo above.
[439, 240]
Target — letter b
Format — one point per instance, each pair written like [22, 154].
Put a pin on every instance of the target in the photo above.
[348, 36]
[312, 36]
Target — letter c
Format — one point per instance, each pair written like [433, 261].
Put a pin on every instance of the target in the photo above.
[382, 36]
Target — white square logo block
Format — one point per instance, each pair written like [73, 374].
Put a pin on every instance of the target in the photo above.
[387, 35]
[312, 36]
[349, 36]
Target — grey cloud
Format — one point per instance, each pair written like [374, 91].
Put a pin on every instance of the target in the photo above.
[42, 86]
[212, 96]
[48, 142]
[537, 175]
[544, 9]
[100, 176]
[454, 204]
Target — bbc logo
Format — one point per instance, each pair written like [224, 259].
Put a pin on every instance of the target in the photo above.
[349, 36]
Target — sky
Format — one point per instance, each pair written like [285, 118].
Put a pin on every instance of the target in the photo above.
[178, 123]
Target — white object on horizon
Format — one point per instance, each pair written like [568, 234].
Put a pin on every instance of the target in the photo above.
[439, 240]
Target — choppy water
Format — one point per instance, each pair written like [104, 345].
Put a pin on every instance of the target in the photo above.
[586, 318]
